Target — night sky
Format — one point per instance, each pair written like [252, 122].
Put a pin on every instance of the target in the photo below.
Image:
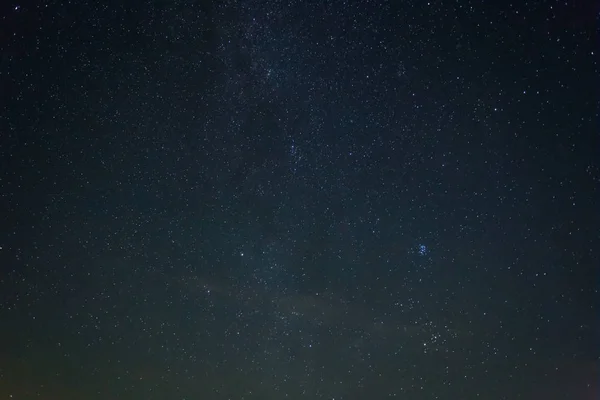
[299, 200]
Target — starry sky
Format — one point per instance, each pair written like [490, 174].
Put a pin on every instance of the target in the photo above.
[285, 199]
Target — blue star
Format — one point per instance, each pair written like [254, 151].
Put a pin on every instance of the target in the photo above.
[422, 250]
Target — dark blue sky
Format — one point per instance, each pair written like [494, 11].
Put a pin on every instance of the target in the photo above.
[298, 200]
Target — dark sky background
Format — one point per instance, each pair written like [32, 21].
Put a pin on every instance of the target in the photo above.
[299, 200]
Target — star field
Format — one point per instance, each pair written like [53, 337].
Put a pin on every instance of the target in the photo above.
[299, 200]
